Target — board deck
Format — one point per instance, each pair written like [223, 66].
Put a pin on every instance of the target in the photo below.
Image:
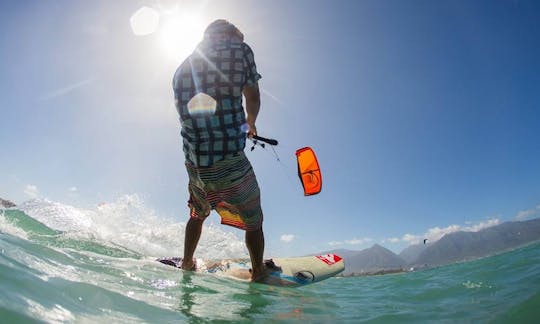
[290, 272]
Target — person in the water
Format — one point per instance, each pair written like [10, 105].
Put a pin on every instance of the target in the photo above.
[208, 88]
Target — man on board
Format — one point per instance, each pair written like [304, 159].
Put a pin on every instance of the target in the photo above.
[208, 88]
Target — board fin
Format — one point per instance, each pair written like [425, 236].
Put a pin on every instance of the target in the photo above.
[174, 261]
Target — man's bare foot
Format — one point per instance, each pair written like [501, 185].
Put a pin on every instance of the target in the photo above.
[262, 272]
[188, 265]
[258, 272]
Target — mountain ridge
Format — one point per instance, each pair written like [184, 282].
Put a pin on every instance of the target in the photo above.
[452, 247]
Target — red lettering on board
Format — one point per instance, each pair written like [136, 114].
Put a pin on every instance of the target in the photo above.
[329, 258]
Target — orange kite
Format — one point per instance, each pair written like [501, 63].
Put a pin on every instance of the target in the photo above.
[309, 171]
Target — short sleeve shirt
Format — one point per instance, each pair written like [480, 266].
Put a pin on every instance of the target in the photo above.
[208, 96]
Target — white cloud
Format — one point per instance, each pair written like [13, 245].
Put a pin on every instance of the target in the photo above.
[31, 191]
[73, 189]
[287, 237]
[392, 240]
[334, 243]
[528, 213]
[411, 239]
[354, 241]
[482, 225]
[433, 234]
[436, 233]
[357, 241]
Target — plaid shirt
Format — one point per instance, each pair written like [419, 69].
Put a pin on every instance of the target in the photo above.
[220, 71]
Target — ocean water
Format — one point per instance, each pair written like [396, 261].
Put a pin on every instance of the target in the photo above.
[61, 264]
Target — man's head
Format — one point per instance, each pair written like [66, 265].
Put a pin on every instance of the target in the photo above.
[221, 29]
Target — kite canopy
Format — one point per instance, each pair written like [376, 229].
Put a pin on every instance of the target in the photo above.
[309, 171]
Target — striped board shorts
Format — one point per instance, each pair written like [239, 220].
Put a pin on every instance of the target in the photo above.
[229, 187]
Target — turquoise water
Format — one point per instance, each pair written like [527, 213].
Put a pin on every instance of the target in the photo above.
[61, 266]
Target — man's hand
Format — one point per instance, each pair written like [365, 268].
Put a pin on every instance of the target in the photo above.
[252, 130]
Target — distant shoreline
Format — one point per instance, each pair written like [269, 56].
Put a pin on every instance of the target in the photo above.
[7, 203]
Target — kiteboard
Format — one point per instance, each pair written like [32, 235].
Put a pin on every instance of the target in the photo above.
[289, 272]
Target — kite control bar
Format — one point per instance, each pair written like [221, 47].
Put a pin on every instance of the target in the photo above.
[266, 140]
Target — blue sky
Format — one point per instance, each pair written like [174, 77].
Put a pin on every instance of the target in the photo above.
[424, 115]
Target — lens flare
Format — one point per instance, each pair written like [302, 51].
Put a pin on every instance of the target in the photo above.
[201, 104]
[144, 21]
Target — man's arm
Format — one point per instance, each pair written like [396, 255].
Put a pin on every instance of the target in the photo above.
[253, 105]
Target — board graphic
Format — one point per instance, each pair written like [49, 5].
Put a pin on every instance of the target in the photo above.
[290, 272]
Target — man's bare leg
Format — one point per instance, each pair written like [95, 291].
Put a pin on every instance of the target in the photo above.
[255, 246]
[191, 239]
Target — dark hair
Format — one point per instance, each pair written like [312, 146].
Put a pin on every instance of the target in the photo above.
[222, 28]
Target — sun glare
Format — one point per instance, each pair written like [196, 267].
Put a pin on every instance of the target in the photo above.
[179, 35]
[144, 21]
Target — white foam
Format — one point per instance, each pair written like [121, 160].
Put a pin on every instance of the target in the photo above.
[9, 228]
[55, 314]
[129, 223]
[56, 215]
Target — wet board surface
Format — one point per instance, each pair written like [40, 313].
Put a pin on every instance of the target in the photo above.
[290, 272]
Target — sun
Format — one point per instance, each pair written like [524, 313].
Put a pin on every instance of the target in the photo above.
[179, 35]
[177, 32]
